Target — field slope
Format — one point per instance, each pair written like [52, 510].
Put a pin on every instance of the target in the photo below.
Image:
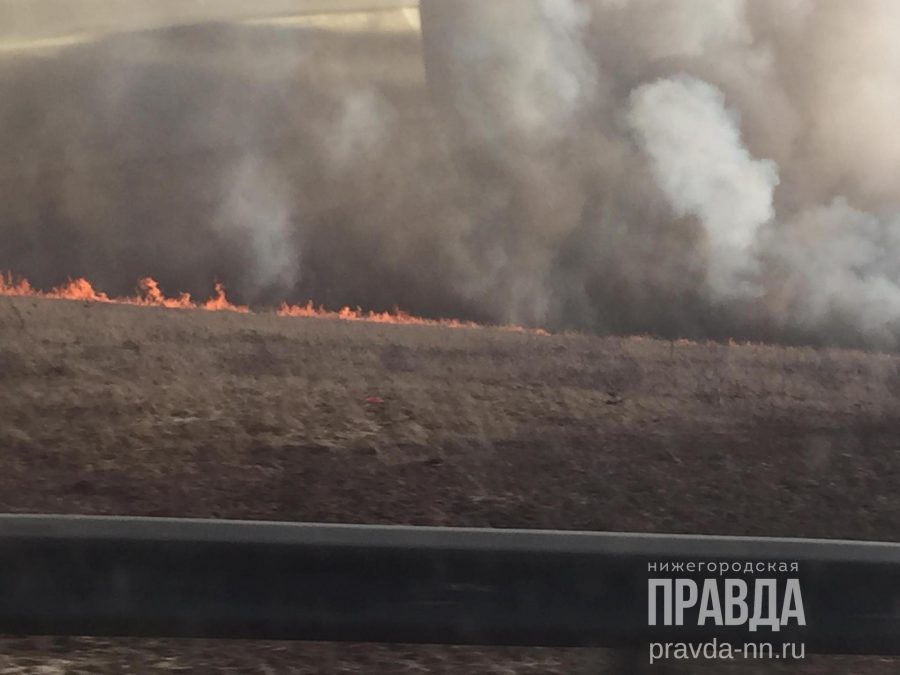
[128, 410]
[109, 409]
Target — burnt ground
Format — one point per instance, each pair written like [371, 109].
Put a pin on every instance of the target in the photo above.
[124, 410]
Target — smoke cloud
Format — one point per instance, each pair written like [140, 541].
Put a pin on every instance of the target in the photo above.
[682, 168]
[694, 146]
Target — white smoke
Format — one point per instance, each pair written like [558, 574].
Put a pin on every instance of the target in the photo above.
[699, 162]
[257, 210]
[664, 29]
[361, 130]
[534, 72]
[836, 262]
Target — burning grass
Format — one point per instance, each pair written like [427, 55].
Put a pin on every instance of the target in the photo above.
[149, 294]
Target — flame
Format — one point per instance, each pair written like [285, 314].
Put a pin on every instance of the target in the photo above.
[19, 288]
[152, 296]
[149, 294]
[398, 316]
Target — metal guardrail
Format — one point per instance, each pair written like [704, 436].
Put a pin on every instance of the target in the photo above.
[72, 575]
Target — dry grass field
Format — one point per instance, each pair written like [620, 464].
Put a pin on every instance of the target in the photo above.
[128, 410]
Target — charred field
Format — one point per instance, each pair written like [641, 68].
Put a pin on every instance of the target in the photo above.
[109, 409]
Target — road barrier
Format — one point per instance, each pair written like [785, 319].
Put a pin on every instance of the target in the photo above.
[112, 576]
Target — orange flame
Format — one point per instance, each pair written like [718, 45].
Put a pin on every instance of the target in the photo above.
[398, 316]
[150, 295]
[19, 288]
[347, 314]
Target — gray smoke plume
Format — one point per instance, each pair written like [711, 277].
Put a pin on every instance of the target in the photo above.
[696, 168]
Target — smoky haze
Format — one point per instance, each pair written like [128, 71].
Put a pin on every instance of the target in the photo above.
[683, 168]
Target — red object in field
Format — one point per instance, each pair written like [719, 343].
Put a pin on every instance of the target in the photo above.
[375, 400]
